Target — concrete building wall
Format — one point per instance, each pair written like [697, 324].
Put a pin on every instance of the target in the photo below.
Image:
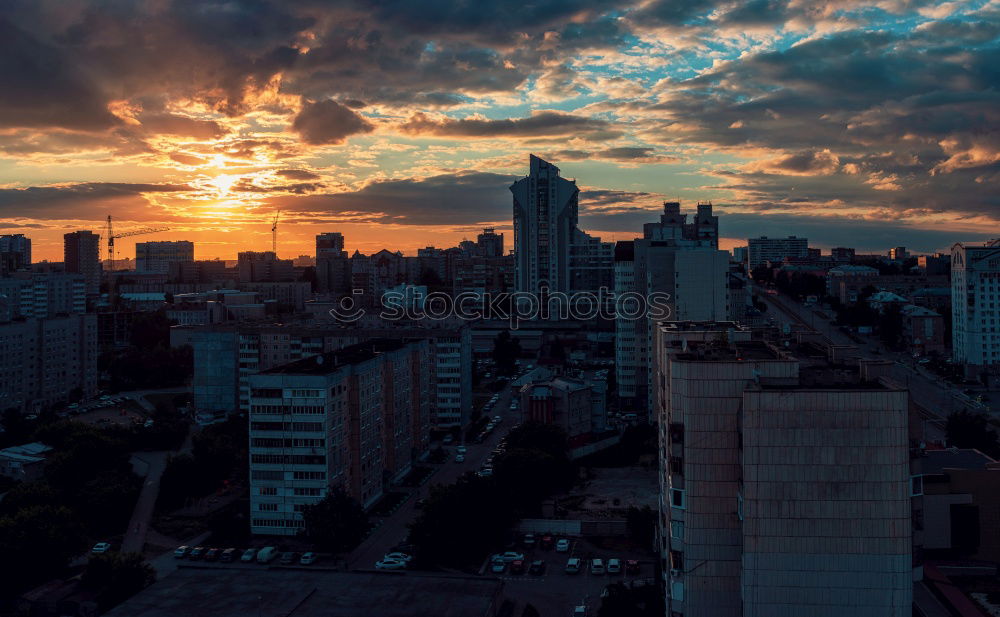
[826, 503]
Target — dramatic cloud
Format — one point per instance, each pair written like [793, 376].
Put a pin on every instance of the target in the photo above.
[540, 123]
[328, 122]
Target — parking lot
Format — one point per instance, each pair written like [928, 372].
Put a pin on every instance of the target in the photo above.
[108, 410]
[556, 592]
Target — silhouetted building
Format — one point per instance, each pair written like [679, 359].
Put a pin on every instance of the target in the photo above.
[158, 256]
[81, 255]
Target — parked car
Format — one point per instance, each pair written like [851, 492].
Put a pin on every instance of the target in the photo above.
[212, 554]
[614, 566]
[498, 565]
[308, 559]
[404, 557]
[461, 449]
[510, 556]
[288, 558]
[597, 566]
[573, 565]
[227, 555]
[537, 567]
[248, 555]
[390, 564]
[267, 554]
[197, 552]
[447, 440]
[546, 542]
[497, 419]
[181, 552]
[101, 547]
[562, 546]
[529, 539]
[517, 566]
[485, 473]
[580, 611]
[459, 458]
[631, 566]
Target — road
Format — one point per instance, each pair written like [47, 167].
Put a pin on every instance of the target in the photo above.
[394, 528]
[138, 525]
[934, 396]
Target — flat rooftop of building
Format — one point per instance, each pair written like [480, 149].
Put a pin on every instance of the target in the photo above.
[936, 461]
[720, 351]
[240, 592]
[826, 377]
[352, 354]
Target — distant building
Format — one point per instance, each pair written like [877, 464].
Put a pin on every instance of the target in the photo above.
[263, 267]
[81, 255]
[15, 252]
[561, 401]
[923, 330]
[840, 253]
[355, 418]
[489, 243]
[330, 244]
[975, 306]
[763, 249]
[847, 271]
[42, 294]
[898, 253]
[551, 252]
[157, 256]
[785, 481]
[740, 254]
[682, 261]
[935, 264]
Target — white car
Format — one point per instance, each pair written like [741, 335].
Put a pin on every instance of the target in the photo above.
[461, 449]
[397, 556]
[597, 566]
[460, 458]
[308, 559]
[562, 546]
[101, 547]
[510, 556]
[614, 566]
[249, 555]
[390, 564]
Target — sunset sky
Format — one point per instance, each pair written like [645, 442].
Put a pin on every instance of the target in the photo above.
[401, 123]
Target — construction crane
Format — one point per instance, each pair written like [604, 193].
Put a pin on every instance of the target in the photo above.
[111, 236]
[274, 233]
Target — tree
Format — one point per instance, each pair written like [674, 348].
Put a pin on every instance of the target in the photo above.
[537, 436]
[969, 429]
[461, 522]
[44, 538]
[527, 476]
[337, 523]
[641, 525]
[890, 325]
[117, 577]
[506, 349]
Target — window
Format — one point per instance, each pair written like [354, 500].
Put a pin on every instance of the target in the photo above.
[267, 474]
[916, 486]
[268, 490]
[676, 465]
[677, 561]
[308, 492]
[677, 498]
[267, 507]
[677, 530]
[676, 433]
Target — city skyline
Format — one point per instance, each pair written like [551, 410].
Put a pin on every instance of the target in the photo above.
[862, 126]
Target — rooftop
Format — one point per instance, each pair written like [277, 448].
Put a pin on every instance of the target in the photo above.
[241, 592]
[330, 361]
[936, 461]
[718, 351]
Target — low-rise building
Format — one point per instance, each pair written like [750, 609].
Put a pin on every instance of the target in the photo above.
[24, 463]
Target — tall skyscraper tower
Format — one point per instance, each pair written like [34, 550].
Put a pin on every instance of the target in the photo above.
[81, 255]
[545, 218]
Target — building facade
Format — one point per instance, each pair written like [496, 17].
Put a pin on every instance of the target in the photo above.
[355, 419]
[975, 307]
[763, 249]
[785, 481]
[157, 256]
[81, 255]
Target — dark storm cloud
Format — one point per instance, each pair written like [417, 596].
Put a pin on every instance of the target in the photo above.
[43, 87]
[464, 198]
[297, 174]
[540, 123]
[328, 122]
[86, 200]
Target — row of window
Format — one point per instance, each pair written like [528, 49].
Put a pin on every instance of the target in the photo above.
[276, 442]
[287, 459]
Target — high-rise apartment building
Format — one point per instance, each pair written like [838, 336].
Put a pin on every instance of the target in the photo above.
[785, 482]
[329, 244]
[156, 257]
[15, 252]
[551, 252]
[763, 249]
[355, 418]
[681, 262]
[489, 243]
[264, 266]
[42, 294]
[47, 361]
[81, 255]
[975, 306]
